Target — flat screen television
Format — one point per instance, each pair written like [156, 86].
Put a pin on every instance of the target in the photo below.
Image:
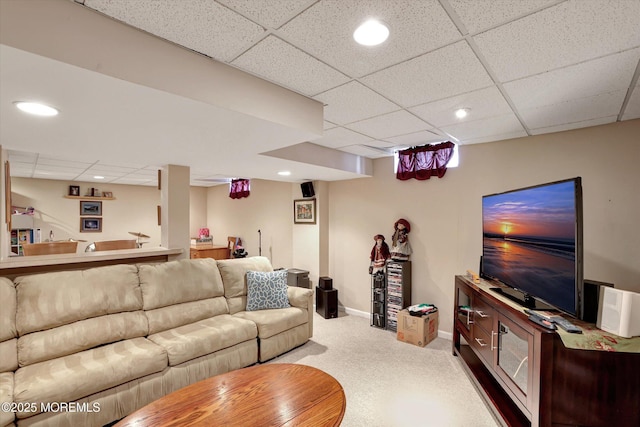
[532, 243]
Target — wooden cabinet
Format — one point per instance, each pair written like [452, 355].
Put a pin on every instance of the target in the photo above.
[529, 377]
[215, 252]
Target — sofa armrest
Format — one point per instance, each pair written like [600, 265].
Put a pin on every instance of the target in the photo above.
[302, 298]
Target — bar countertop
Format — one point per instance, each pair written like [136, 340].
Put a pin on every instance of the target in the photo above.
[41, 263]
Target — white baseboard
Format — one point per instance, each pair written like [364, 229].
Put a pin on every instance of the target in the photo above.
[358, 313]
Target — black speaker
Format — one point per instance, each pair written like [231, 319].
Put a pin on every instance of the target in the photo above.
[327, 303]
[325, 283]
[591, 297]
[307, 189]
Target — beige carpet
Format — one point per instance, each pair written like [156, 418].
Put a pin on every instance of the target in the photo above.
[389, 383]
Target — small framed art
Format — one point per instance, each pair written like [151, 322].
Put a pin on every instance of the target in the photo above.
[91, 208]
[88, 225]
[74, 190]
[304, 211]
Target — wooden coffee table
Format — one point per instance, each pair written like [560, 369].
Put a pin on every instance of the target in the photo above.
[278, 394]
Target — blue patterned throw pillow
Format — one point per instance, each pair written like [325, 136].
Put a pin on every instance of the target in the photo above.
[267, 290]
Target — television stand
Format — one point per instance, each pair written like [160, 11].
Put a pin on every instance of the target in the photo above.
[522, 298]
[527, 375]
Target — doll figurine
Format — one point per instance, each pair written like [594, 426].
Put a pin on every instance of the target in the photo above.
[401, 249]
[379, 254]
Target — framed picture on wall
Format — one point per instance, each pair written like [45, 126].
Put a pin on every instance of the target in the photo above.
[88, 225]
[91, 208]
[304, 211]
[74, 190]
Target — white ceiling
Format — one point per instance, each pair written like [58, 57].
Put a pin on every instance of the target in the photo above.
[521, 67]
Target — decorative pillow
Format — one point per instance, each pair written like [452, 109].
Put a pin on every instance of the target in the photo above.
[267, 290]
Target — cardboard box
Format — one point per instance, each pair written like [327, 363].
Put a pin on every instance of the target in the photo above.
[416, 330]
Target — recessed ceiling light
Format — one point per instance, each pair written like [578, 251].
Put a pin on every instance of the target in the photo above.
[36, 108]
[98, 177]
[371, 33]
[462, 113]
[284, 173]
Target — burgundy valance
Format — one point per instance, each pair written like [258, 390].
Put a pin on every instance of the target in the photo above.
[425, 161]
[239, 188]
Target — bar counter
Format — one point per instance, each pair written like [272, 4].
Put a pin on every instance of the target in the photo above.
[17, 266]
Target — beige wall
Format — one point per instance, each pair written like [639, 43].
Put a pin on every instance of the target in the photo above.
[269, 208]
[445, 214]
[134, 209]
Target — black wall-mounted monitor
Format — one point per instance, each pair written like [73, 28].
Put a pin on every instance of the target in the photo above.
[532, 242]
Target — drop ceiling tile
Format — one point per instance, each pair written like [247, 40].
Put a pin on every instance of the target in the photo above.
[341, 137]
[148, 171]
[21, 169]
[417, 138]
[449, 71]
[134, 181]
[576, 125]
[294, 68]
[271, 14]
[325, 30]
[497, 125]
[496, 137]
[109, 169]
[69, 176]
[608, 74]
[481, 15]
[379, 144]
[482, 103]
[329, 125]
[573, 111]
[89, 177]
[201, 25]
[633, 106]
[21, 156]
[49, 161]
[561, 35]
[60, 169]
[365, 151]
[388, 125]
[352, 102]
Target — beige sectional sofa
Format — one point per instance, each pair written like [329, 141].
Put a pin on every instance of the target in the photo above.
[90, 347]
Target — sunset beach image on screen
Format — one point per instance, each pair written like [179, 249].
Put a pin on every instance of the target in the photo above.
[529, 241]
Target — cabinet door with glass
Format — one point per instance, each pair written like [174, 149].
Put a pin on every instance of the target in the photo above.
[514, 360]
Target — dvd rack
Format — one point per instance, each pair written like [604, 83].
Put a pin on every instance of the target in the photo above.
[378, 299]
[398, 291]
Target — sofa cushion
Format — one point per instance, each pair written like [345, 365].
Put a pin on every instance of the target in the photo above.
[49, 300]
[234, 272]
[6, 396]
[267, 290]
[273, 322]
[204, 337]
[180, 281]
[81, 374]
[9, 355]
[173, 316]
[8, 311]
[80, 336]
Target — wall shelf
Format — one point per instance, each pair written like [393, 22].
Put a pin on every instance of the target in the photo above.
[89, 198]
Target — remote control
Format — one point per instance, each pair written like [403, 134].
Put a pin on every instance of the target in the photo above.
[566, 325]
[542, 322]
